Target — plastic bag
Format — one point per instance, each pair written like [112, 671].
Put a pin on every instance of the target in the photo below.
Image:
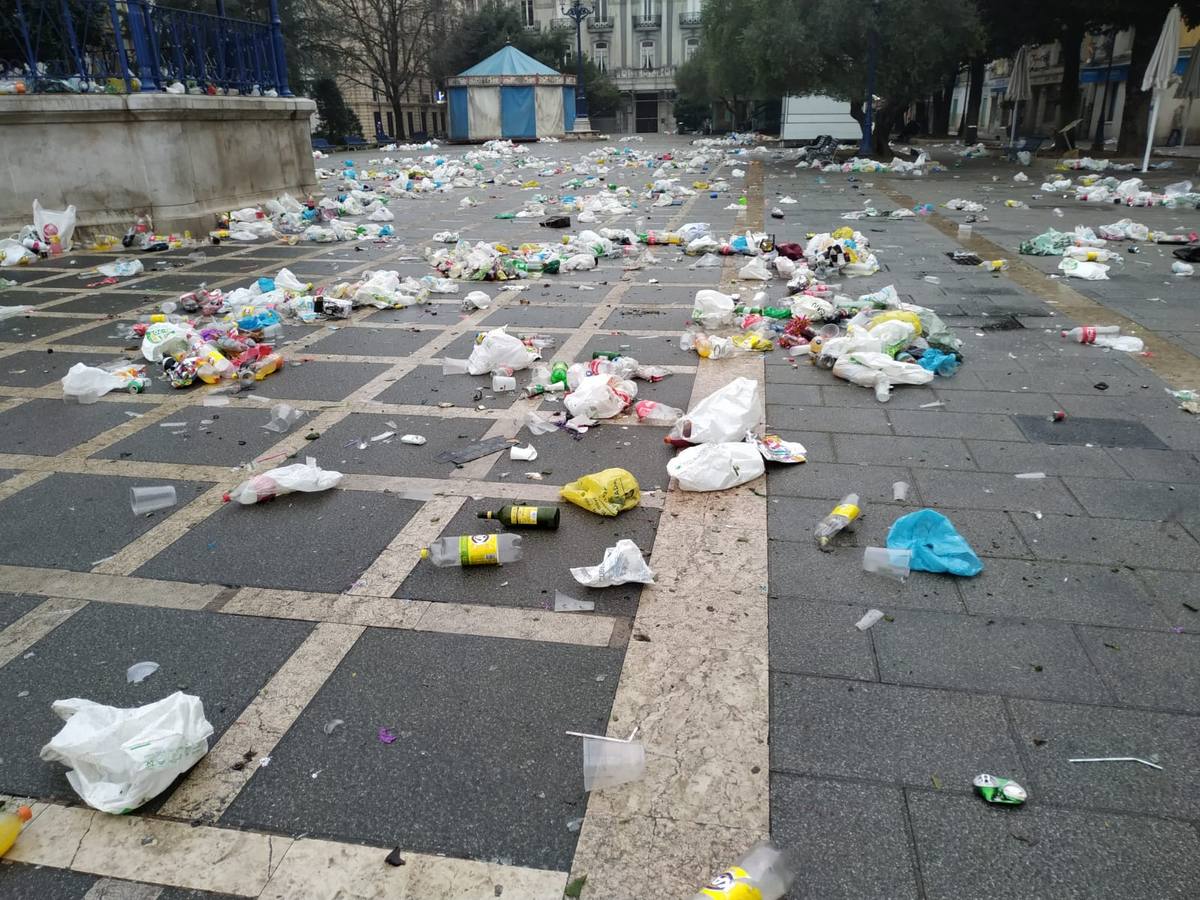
[879, 371]
[1090, 271]
[289, 282]
[54, 225]
[499, 348]
[935, 545]
[11, 312]
[605, 493]
[121, 758]
[622, 564]
[755, 270]
[712, 309]
[944, 364]
[717, 466]
[86, 384]
[122, 268]
[600, 397]
[13, 253]
[724, 415]
[306, 476]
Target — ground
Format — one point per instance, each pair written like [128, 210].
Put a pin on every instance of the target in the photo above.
[762, 708]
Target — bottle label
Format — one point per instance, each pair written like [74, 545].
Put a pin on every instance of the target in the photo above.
[1089, 335]
[479, 550]
[849, 510]
[523, 515]
[734, 882]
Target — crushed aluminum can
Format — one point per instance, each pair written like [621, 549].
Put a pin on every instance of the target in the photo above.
[994, 789]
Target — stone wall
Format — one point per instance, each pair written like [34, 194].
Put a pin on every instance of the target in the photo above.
[181, 158]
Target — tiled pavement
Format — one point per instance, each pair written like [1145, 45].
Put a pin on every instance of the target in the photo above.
[1075, 640]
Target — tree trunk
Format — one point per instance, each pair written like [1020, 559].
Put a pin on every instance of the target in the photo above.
[974, 98]
[940, 121]
[886, 117]
[1068, 92]
[1134, 115]
[859, 114]
[394, 103]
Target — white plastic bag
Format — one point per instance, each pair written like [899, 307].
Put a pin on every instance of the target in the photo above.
[52, 223]
[1089, 271]
[724, 415]
[879, 371]
[13, 253]
[11, 312]
[580, 262]
[120, 758]
[86, 384]
[755, 270]
[289, 282]
[600, 397]
[712, 309]
[715, 467]
[306, 476]
[499, 348]
[622, 564]
[122, 268]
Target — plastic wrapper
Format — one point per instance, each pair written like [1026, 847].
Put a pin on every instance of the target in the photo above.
[600, 397]
[307, 477]
[86, 384]
[716, 466]
[622, 564]
[605, 493]
[499, 349]
[712, 309]
[935, 544]
[1089, 271]
[121, 758]
[755, 270]
[724, 415]
[878, 371]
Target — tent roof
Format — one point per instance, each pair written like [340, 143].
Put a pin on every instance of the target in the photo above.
[508, 60]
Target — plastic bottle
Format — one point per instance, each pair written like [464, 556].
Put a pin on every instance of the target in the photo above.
[558, 373]
[525, 516]
[10, 826]
[762, 873]
[1086, 334]
[474, 550]
[654, 413]
[839, 518]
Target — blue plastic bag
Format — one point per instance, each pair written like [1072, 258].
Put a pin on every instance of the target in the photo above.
[944, 364]
[935, 545]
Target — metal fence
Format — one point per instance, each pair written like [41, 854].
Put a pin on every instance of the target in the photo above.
[126, 46]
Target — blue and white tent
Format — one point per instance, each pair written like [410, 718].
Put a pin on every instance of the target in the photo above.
[510, 95]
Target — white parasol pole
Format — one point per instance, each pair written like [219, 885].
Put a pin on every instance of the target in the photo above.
[1150, 134]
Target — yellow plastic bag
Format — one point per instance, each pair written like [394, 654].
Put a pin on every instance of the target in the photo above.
[899, 315]
[604, 493]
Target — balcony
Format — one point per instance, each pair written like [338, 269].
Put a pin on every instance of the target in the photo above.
[689, 20]
[647, 23]
[562, 23]
[535, 27]
[659, 78]
[593, 25]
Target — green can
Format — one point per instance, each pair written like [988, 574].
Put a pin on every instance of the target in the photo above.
[998, 790]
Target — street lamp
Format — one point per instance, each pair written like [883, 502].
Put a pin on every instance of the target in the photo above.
[578, 12]
[864, 147]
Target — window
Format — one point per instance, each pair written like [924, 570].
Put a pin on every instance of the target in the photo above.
[692, 7]
[647, 9]
[600, 55]
[690, 46]
[647, 54]
[527, 12]
[391, 123]
[374, 91]
[601, 11]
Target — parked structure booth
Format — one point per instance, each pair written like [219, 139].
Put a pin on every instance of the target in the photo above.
[510, 95]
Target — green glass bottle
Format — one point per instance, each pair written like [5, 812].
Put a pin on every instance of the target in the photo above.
[524, 516]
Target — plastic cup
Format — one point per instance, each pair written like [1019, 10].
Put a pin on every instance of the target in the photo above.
[503, 383]
[829, 331]
[887, 561]
[454, 366]
[144, 500]
[965, 232]
[609, 763]
[899, 491]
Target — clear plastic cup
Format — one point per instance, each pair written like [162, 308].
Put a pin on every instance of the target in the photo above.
[144, 500]
[454, 366]
[887, 561]
[503, 383]
[965, 232]
[899, 491]
[609, 763]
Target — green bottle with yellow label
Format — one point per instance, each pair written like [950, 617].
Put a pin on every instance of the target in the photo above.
[524, 516]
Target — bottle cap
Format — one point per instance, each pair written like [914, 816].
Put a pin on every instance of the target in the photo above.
[24, 813]
[424, 553]
[486, 514]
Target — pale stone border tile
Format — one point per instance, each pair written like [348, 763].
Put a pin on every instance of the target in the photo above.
[213, 784]
[21, 481]
[22, 634]
[385, 575]
[142, 549]
[375, 612]
[26, 579]
[516, 622]
[129, 589]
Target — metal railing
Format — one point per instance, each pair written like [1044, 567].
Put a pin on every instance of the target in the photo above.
[642, 23]
[689, 19]
[562, 23]
[532, 27]
[606, 25]
[124, 46]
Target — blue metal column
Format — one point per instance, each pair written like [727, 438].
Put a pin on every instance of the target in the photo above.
[147, 61]
[119, 39]
[23, 34]
[69, 27]
[281, 72]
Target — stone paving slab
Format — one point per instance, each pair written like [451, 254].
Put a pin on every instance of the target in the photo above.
[23, 329]
[427, 386]
[108, 303]
[639, 449]
[212, 436]
[1097, 432]
[1147, 668]
[366, 341]
[808, 637]
[463, 711]
[1164, 545]
[318, 380]
[340, 444]
[545, 563]
[224, 660]
[51, 427]
[13, 606]
[304, 542]
[37, 368]
[965, 849]
[74, 521]
[651, 350]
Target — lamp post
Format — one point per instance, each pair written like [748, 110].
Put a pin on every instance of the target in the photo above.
[578, 12]
[864, 147]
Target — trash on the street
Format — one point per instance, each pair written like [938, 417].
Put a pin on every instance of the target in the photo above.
[762, 873]
[86, 384]
[565, 603]
[609, 762]
[889, 562]
[307, 477]
[841, 517]
[520, 516]
[1099, 759]
[283, 417]
[148, 499]
[121, 758]
[1105, 336]
[474, 550]
[474, 450]
[724, 415]
[935, 544]
[605, 493]
[622, 564]
[716, 466]
[899, 491]
[139, 672]
[11, 824]
[1000, 791]
[498, 348]
[652, 412]
[869, 618]
[775, 449]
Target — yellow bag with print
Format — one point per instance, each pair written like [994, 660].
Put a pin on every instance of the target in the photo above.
[604, 493]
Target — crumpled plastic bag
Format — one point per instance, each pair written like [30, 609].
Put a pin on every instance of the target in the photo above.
[52, 223]
[724, 415]
[86, 384]
[716, 467]
[600, 397]
[879, 371]
[121, 268]
[944, 364]
[936, 546]
[712, 309]
[622, 564]
[306, 476]
[13, 252]
[605, 493]
[499, 348]
[755, 270]
[1089, 271]
[121, 758]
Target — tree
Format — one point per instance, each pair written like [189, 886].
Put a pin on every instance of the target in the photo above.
[818, 47]
[602, 95]
[337, 119]
[383, 44]
[711, 79]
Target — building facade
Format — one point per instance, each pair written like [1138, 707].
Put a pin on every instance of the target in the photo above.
[421, 115]
[639, 43]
